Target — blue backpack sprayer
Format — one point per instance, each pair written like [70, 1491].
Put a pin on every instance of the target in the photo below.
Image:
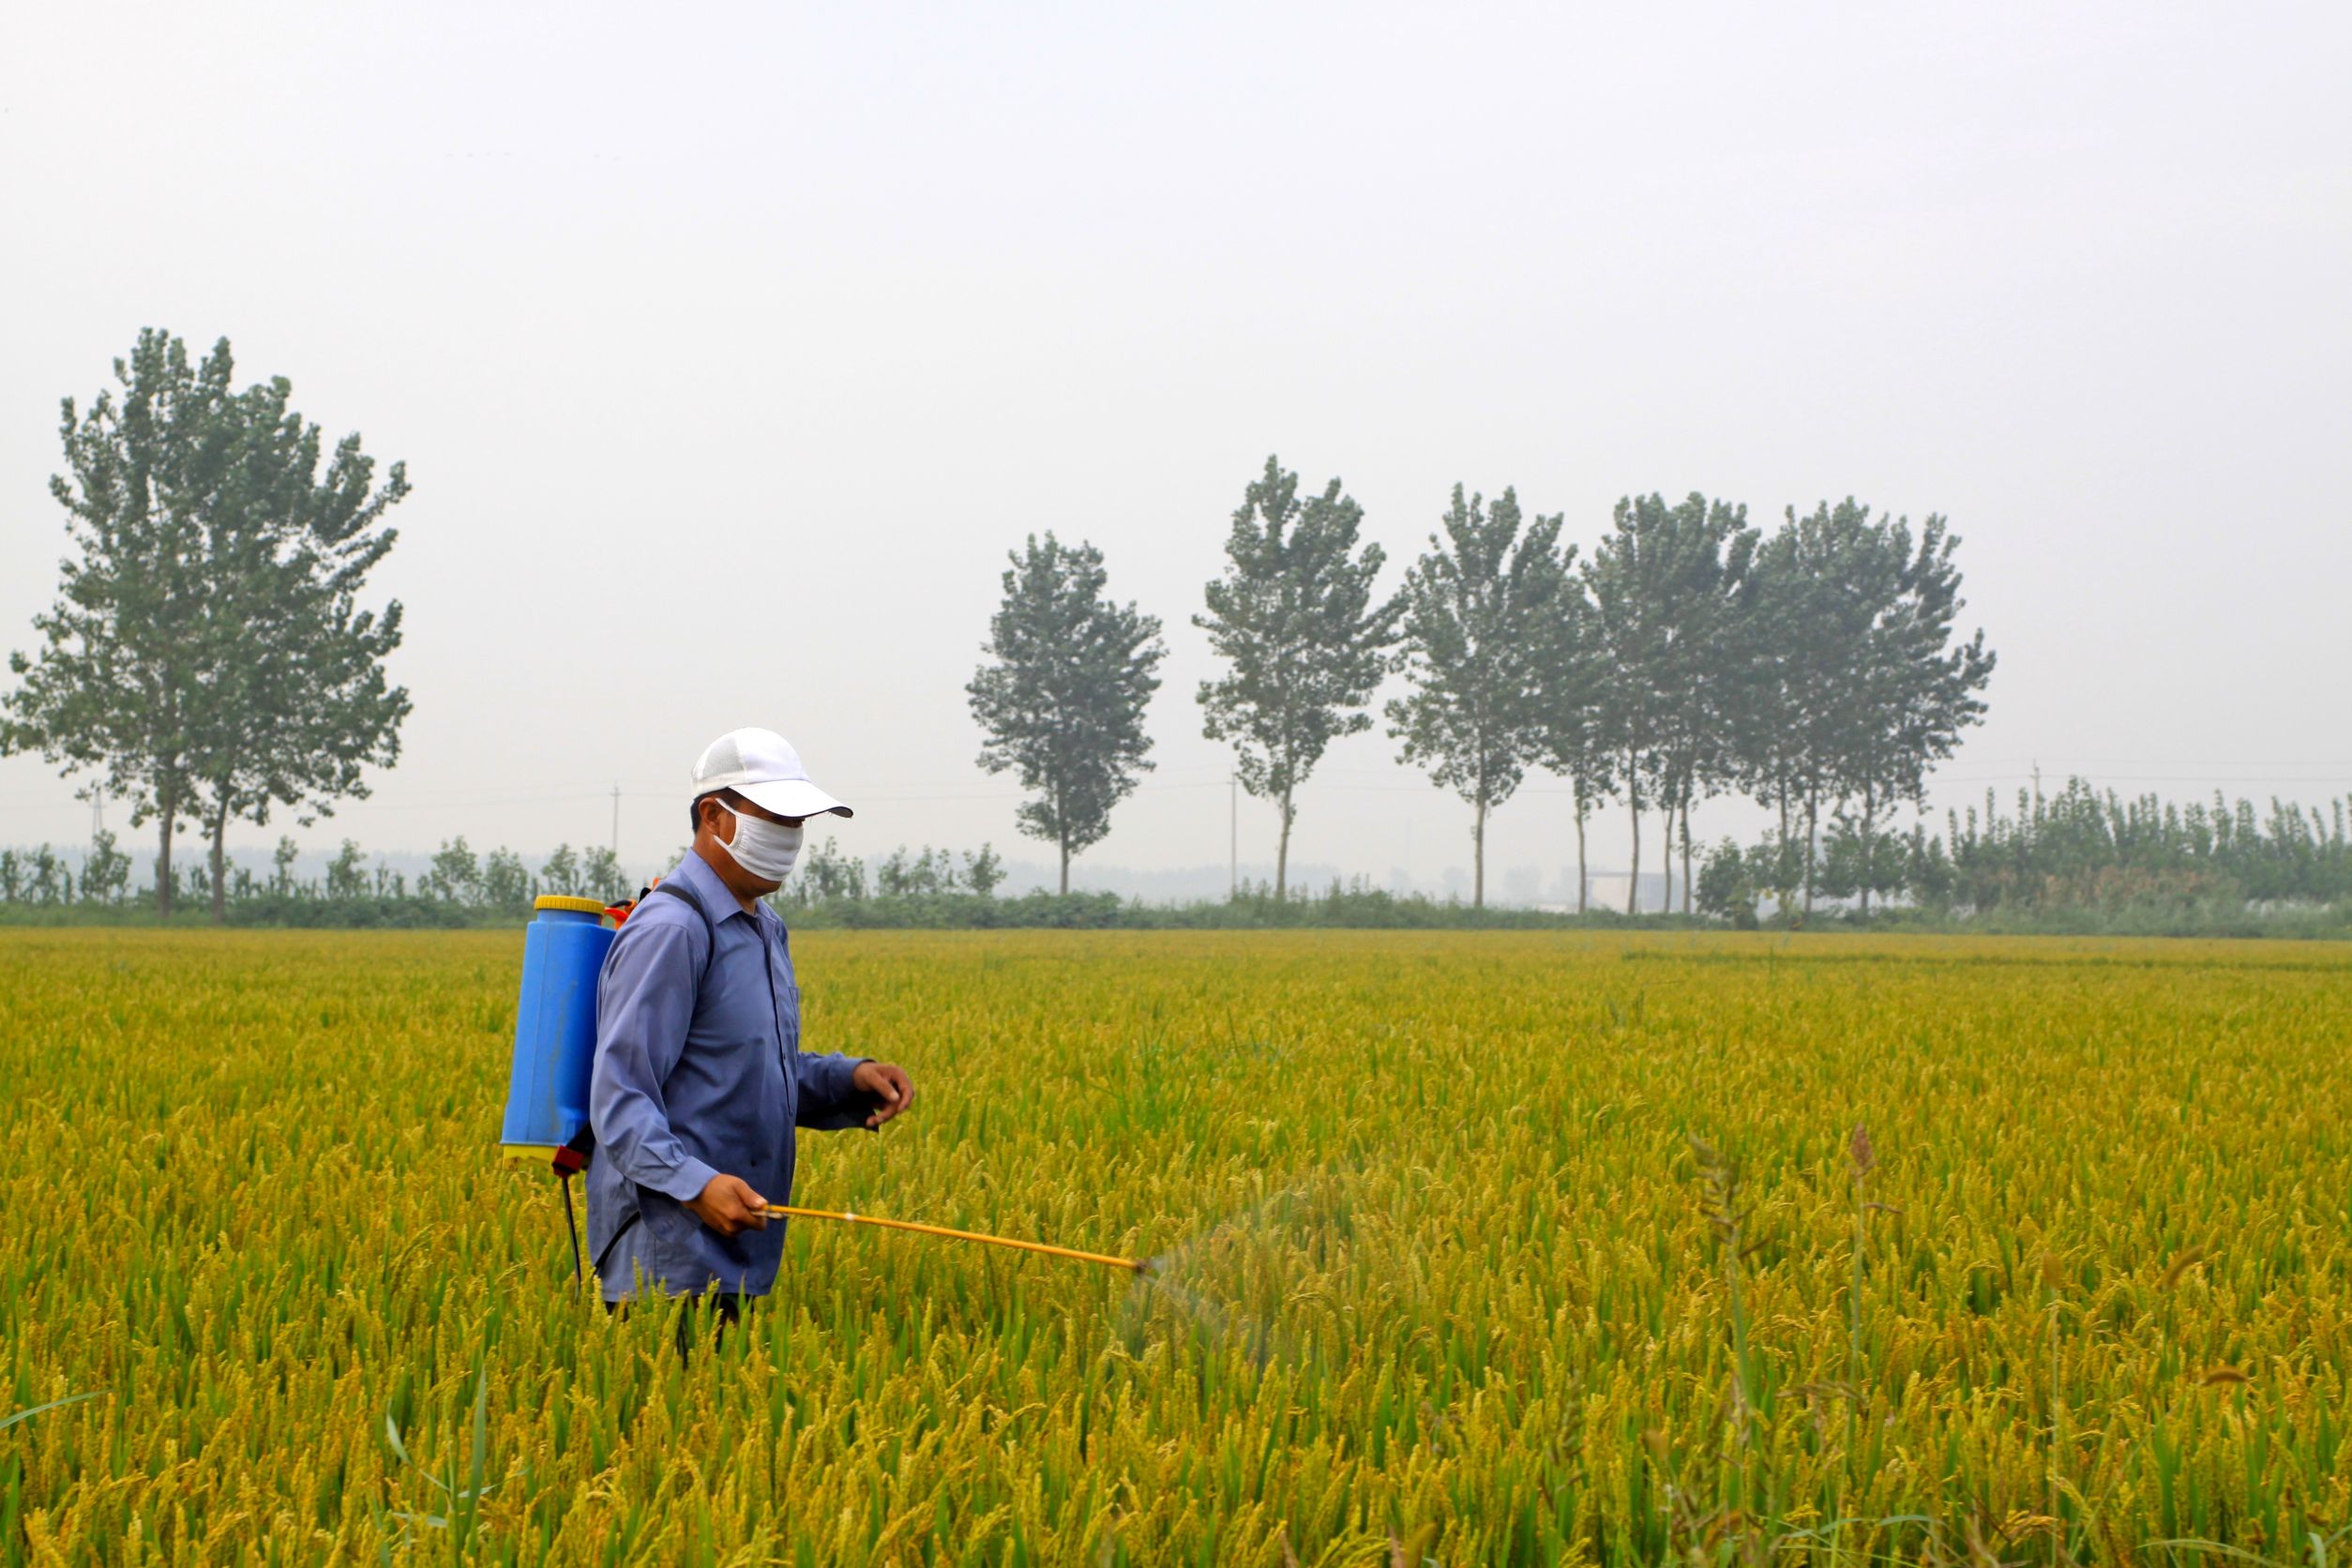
[555, 1040]
[563, 950]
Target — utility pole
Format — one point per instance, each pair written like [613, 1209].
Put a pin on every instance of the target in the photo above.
[616, 821]
[97, 812]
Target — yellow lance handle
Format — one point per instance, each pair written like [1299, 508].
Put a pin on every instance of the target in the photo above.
[1133, 1265]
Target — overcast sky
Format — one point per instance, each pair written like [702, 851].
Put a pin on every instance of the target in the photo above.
[731, 347]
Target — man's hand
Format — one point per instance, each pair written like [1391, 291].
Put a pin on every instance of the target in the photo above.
[888, 1082]
[727, 1205]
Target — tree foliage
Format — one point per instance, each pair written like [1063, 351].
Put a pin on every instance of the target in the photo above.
[207, 657]
[1476, 610]
[1667, 588]
[1061, 700]
[1303, 637]
[1572, 713]
[1858, 683]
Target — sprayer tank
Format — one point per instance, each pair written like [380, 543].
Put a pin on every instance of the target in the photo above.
[555, 1026]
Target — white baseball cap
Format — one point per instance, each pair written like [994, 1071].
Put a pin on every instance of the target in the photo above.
[762, 766]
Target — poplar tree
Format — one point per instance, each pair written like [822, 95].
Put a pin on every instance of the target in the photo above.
[207, 658]
[1476, 609]
[1304, 640]
[1666, 586]
[1775, 667]
[1825, 578]
[1914, 687]
[127, 643]
[1854, 685]
[1061, 699]
[305, 704]
[1571, 700]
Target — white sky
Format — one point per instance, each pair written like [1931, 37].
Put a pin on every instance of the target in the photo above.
[729, 348]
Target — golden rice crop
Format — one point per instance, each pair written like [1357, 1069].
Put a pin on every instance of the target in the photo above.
[1480, 1249]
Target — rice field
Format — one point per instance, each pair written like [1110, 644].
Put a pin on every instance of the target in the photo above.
[1475, 1248]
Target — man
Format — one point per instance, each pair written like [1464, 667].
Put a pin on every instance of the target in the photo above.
[698, 1079]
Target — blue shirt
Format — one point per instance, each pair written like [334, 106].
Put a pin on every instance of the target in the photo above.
[694, 1078]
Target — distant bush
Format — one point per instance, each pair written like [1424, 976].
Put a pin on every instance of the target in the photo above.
[357, 913]
[1257, 908]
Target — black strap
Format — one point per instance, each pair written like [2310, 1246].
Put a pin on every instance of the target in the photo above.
[571, 1225]
[710, 931]
[605, 1256]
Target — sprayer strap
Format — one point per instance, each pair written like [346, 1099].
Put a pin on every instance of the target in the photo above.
[605, 1256]
[710, 931]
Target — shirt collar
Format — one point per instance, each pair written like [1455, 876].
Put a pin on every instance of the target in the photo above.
[696, 873]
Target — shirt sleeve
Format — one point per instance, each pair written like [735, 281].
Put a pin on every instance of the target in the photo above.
[644, 1005]
[829, 1102]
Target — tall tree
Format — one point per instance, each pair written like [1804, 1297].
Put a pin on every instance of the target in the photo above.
[1295, 620]
[206, 655]
[1870, 689]
[1476, 609]
[1773, 672]
[1666, 584]
[1916, 688]
[1827, 576]
[1719, 598]
[1571, 697]
[1062, 699]
[305, 705]
[128, 650]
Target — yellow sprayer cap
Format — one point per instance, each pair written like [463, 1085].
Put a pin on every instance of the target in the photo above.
[565, 901]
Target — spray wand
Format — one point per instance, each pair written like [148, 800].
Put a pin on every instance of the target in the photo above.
[1133, 1265]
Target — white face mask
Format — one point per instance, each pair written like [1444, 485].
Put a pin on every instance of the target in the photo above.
[763, 848]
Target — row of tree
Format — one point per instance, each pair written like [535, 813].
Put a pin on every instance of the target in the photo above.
[44, 876]
[208, 659]
[499, 882]
[827, 875]
[1817, 668]
[2084, 845]
[2080, 849]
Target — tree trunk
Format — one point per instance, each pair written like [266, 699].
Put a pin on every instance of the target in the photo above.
[1686, 856]
[1282, 855]
[1478, 859]
[1780, 850]
[1813, 830]
[1870, 848]
[1583, 881]
[1666, 862]
[221, 867]
[1633, 878]
[170, 799]
[1665, 851]
[1062, 826]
